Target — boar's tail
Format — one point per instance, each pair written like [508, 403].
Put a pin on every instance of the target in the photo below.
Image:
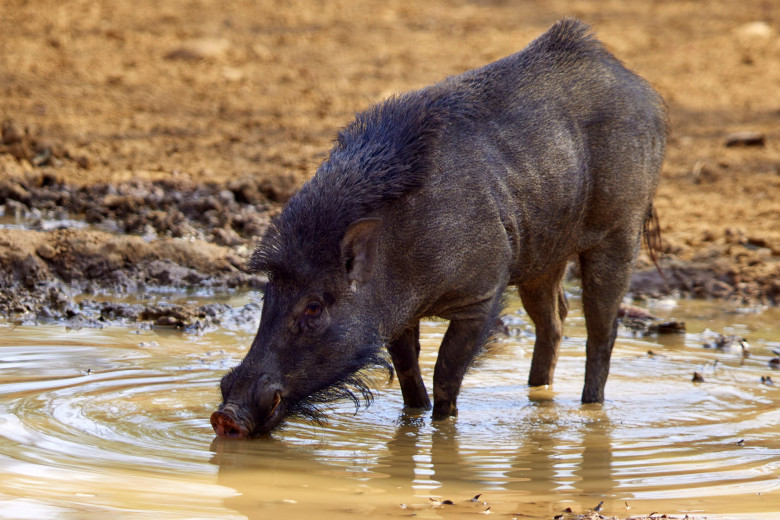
[652, 238]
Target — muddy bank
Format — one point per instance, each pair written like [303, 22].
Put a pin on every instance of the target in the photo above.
[63, 245]
[58, 275]
[748, 278]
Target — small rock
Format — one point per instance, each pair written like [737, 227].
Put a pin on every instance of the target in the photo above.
[233, 74]
[745, 139]
[168, 321]
[704, 172]
[754, 30]
[697, 378]
[718, 288]
[43, 158]
[84, 162]
[11, 133]
[45, 251]
[667, 327]
[775, 363]
[631, 311]
[200, 49]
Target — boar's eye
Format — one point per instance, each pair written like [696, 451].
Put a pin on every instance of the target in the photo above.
[311, 314]
[312, 318]
[313, 309]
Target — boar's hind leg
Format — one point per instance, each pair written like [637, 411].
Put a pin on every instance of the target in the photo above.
[545, 302]
[605, 275]
[463, 339]
[405, 352]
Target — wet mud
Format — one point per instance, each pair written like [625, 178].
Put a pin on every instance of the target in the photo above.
[62, 247]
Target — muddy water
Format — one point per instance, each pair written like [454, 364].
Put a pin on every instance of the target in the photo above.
[113, 423]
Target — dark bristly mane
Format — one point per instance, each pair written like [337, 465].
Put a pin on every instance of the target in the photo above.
[386, 152]
[356, 386]
[567, 37]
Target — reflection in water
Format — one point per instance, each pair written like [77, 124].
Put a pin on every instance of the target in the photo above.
[114, 423]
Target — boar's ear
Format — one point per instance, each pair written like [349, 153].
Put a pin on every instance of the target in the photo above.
[359, 249]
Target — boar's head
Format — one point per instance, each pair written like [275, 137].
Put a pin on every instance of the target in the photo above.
[322, 321]
[316, 333]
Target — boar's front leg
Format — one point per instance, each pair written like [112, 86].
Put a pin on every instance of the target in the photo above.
[405, 352]
[463, 339]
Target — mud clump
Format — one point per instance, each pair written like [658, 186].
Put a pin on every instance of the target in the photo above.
[26, 145]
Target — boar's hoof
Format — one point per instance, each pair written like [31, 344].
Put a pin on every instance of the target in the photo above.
[591, 395]
[225, 426]
[443, 412]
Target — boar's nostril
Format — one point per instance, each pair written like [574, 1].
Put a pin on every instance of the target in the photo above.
[226, 426]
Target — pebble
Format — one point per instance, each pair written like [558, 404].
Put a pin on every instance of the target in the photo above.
[745, 139]
[11, 133]
[200, 49]
[45, 251]
[758, 30]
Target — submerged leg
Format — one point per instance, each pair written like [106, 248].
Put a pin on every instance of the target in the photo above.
[405, 352]
[462, 341]
[545, 303]
[606, 272]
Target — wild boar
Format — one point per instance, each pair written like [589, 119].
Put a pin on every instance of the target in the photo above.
[430, 204]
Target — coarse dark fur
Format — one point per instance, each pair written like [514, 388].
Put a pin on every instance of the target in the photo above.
[379, 157]
[430, 204]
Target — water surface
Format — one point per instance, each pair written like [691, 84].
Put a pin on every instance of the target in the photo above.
[114, 423]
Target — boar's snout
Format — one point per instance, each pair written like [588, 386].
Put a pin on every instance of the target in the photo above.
[247, 415]
[225, 425]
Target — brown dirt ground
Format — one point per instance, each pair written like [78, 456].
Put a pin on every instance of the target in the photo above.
[104, 92]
